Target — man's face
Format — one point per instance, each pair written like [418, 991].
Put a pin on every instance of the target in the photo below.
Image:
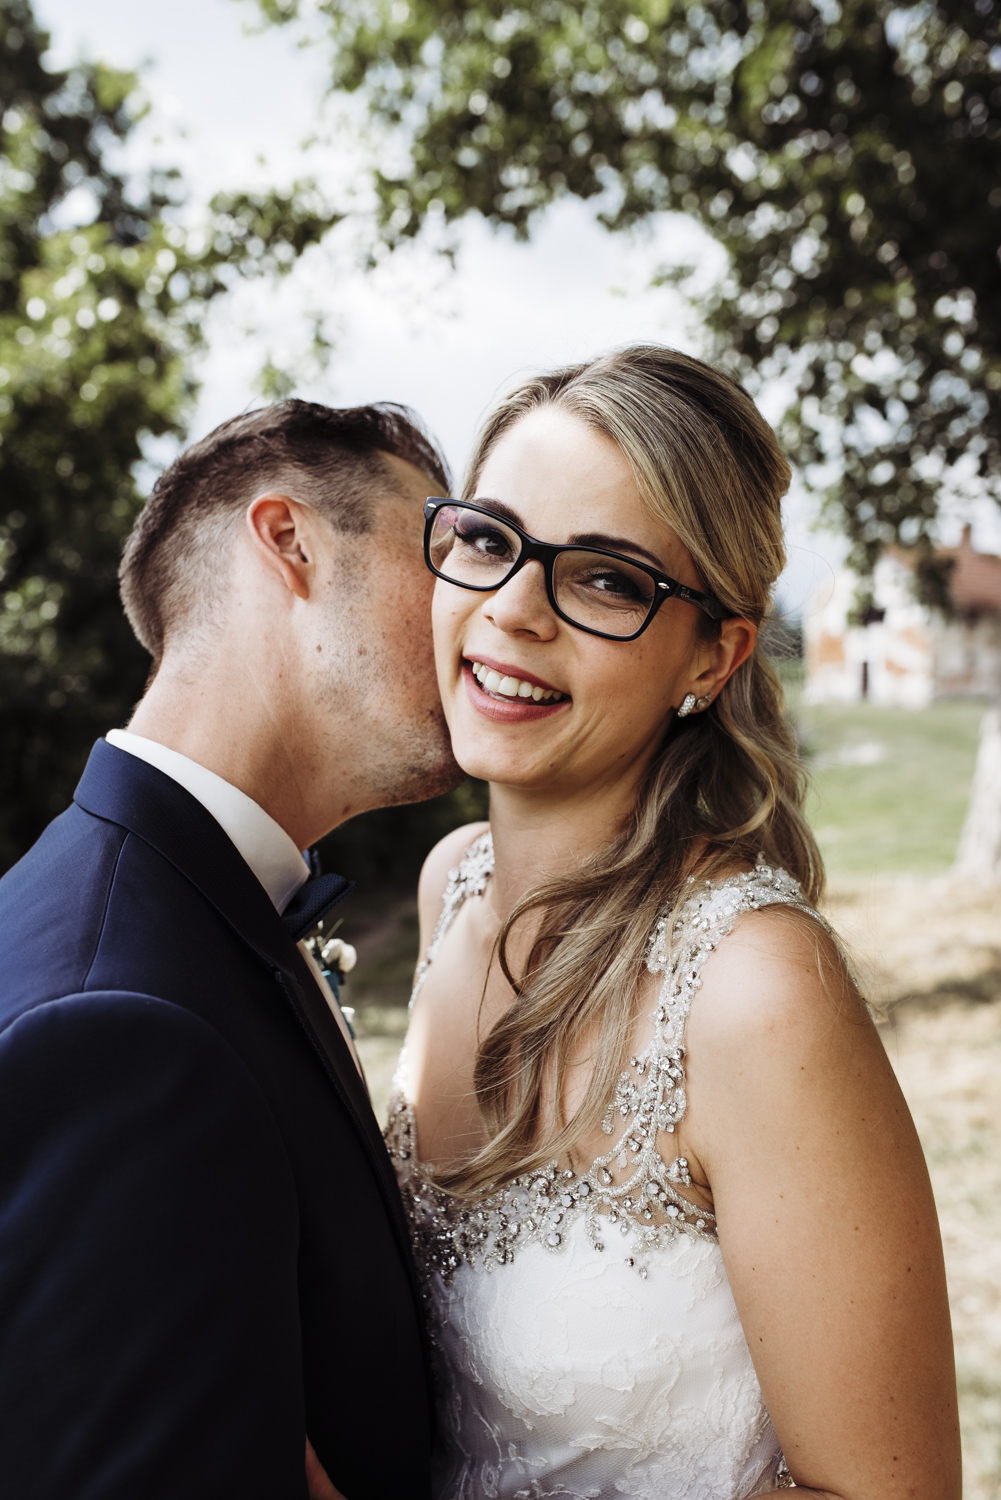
[385, 690]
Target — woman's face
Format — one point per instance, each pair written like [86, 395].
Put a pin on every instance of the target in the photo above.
[562, 481]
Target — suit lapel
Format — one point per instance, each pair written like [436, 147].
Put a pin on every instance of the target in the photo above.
[310, 1006]
[122, 789]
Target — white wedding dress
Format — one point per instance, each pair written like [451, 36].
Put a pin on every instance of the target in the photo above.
[586, 1341]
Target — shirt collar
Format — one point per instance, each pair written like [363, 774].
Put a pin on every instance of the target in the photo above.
[262, 842]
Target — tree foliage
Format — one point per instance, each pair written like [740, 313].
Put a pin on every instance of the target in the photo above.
[103, 296]
[845, 154]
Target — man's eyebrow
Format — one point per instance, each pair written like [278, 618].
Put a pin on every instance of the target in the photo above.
[614, 544]
[578, 539]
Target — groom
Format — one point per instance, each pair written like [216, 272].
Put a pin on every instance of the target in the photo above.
[203, 1257]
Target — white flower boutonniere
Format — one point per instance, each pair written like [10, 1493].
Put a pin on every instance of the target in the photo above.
[336, 954]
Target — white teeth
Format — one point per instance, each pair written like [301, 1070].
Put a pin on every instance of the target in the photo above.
[512, 687]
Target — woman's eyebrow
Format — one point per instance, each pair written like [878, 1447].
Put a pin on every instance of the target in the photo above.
[499, 509]
[614, 544]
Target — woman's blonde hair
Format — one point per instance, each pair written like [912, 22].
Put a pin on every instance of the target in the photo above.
[726, 787]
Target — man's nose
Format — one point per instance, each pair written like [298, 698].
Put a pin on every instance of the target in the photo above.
[522, 604]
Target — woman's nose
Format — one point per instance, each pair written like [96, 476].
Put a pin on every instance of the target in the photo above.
[522, 604]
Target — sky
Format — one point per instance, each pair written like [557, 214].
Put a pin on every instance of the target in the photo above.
[234, 108]
[446, 343]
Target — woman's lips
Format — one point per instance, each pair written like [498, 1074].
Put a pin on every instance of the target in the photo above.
[507, 710]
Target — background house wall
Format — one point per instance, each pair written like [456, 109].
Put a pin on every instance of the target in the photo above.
[906, 655]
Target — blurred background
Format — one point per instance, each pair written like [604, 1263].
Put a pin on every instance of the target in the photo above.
[217, 203]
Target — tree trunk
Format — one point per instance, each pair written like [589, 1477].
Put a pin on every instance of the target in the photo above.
[979, 856]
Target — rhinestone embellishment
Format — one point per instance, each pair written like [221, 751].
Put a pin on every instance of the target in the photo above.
[632, 1190]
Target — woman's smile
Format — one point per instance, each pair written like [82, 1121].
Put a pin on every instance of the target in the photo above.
[513, 682]
[510, 694]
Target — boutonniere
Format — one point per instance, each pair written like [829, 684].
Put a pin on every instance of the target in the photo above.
[335, 959]
[338, 957]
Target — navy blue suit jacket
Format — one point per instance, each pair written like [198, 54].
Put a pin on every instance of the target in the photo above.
[203, 1254]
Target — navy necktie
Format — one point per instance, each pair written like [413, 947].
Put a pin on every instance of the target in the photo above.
[312, 901]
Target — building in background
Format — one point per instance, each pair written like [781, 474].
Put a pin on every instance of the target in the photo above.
[904, 654]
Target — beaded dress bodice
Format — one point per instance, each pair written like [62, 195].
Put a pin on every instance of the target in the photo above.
[587, 1344]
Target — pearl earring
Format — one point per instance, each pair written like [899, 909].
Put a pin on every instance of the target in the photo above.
[687, 706]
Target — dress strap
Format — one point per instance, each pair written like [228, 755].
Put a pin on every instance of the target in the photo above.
[469, 878]
[704, 915]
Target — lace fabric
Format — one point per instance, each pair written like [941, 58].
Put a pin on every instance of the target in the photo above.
[587, 1341]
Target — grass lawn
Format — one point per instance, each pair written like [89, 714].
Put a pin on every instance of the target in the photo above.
[890, 786]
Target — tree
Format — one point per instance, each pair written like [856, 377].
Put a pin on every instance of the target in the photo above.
[98, 324]
[844, 152]
[846, 156]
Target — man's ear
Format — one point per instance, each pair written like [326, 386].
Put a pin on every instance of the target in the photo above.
[280, 530]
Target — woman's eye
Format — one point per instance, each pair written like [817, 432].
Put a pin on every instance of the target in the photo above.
[484, 539]
[619, 585]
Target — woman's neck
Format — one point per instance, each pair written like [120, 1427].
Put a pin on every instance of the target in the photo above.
[537, 838]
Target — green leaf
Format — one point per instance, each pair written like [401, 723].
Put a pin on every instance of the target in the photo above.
[846, 158]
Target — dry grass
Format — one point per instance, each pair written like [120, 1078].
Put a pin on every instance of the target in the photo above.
[930, 951]
[948, 1060]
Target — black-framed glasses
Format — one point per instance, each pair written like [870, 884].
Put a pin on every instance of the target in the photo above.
[590, 588]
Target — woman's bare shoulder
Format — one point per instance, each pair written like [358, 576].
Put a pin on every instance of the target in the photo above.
[779, 969]
[444, 858]
[778, 1031]
[825, 1214]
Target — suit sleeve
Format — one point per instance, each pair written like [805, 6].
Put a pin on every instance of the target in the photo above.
[149, 1317]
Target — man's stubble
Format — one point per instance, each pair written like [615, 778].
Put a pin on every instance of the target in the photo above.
[408, 753]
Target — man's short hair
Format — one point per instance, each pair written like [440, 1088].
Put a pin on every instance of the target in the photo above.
[330, 458]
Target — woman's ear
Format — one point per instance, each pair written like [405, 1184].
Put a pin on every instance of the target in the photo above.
[279, 527]
[737, 639]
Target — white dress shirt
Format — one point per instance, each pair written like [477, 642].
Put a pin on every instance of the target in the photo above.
[263, 843]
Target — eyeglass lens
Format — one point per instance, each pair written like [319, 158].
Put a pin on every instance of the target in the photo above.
[592, 589]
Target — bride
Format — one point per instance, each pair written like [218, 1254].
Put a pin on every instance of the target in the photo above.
[672, 1219]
